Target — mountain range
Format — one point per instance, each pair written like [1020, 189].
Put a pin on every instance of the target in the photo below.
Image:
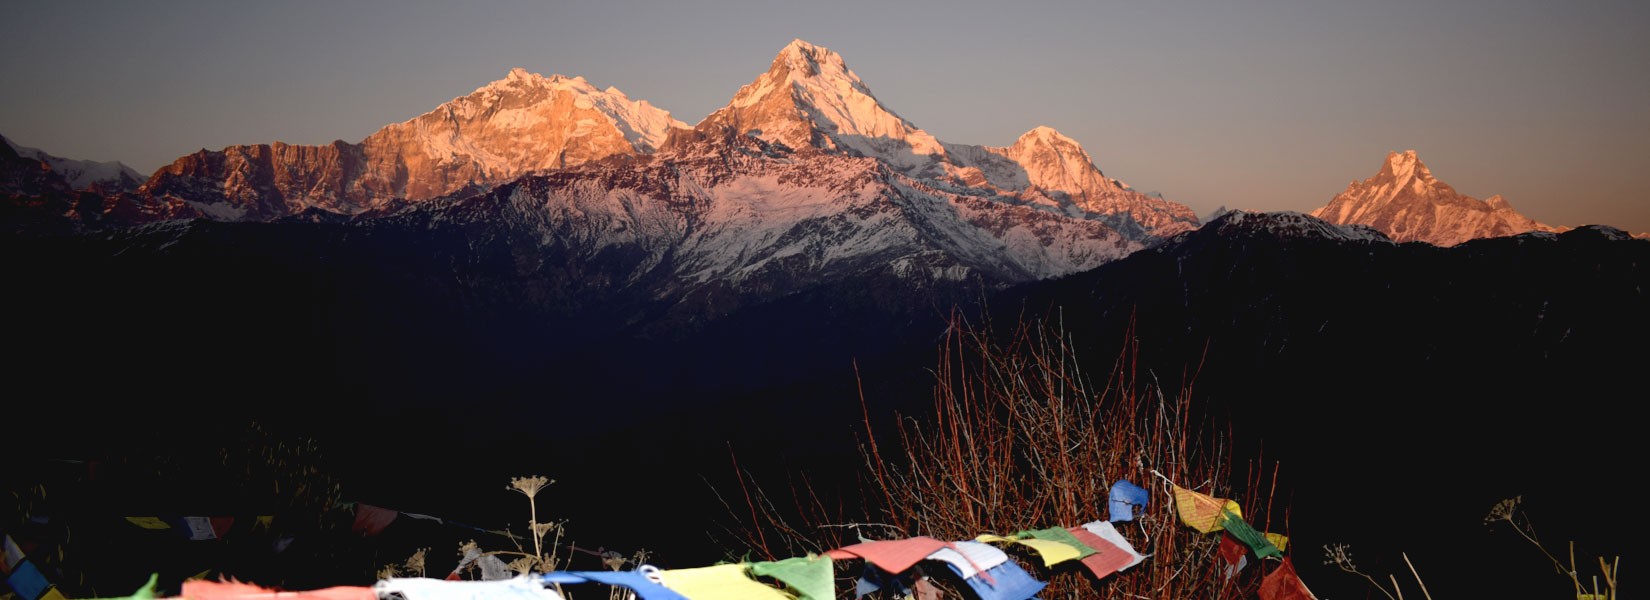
[545, 273]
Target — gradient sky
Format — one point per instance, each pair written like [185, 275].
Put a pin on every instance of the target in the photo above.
[1271, 105]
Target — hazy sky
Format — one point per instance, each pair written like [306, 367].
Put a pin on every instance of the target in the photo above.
[1261, 105]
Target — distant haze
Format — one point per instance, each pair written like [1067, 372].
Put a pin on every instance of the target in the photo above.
[1271, 105]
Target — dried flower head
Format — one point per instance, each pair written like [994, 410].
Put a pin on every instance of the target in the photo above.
[539, 529]
[415, 563]
[1503, 510]
[1339, 555]
[523, 565]
[529, 486]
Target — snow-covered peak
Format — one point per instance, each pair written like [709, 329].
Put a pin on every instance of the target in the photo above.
[812, 61]
[1053, 161]
[111, 175]
[1407, 203]
[1406, 167]
[1044, 134]
[643, 125]
[809, 97]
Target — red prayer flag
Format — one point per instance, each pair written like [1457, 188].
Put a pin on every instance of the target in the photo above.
[1283, 584]
[892, 556]
[1107, 557]
[371, 520]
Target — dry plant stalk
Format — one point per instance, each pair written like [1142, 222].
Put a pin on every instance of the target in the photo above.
[1509, 511]
[1020, 438]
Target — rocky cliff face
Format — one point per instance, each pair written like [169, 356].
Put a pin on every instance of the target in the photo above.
[1408, 204]
[524, 123]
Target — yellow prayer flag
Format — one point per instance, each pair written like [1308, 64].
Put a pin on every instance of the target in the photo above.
[1279, 540]
[1200, 511]
[264, 522]
[52, 594]
[1050, 551]
[149, 522]
[728, 582]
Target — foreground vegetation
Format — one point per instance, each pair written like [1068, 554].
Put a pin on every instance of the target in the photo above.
[1019, 436]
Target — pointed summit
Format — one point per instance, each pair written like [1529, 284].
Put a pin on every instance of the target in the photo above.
[810, 98]
[1407, 203]
[1053, 161]
[809, 60]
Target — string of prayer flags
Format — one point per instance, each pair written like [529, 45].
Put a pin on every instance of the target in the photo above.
[1106, 531]
[726, 581]
[1052, 553]
[809, 577]
[1237, 527]
[893, 556]
[1007, 581]
[1125, 495]
[1202, 512]
[645, 587]
[423, 588]
[970, 558]
[204, 589]
[1283, 584]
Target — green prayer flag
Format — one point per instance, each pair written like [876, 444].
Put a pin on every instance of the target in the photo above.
[810, 576]
[147, 592]
[1256, 540]
[1059, 534]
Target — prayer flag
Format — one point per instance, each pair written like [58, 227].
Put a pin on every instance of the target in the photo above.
[1052, 553]
[1201, 512]
[893, 556]
[371, 520]
[1107, 558]
[27, 580]
[1125, 495]
[1007, 581]
[1233, 554]
[718, 582]
[1109, 532]
[149, 522]
[1238, 528]
[198, 528]
[1283, 584]
[1279, 540]
[808, 576]
[645, 588]
[424, 588]
[969, 558]
[204, 589]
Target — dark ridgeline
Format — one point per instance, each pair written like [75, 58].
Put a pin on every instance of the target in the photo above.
[1404, 388]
